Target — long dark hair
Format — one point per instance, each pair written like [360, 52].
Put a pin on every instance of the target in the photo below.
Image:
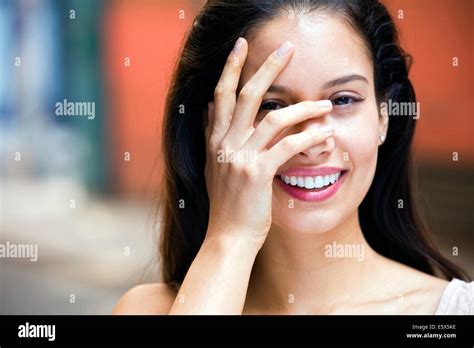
[397, 233]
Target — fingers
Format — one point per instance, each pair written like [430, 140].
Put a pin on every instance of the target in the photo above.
[210, 124]
[276, 121]
[225, 92]
[252, 93]
[291, 145]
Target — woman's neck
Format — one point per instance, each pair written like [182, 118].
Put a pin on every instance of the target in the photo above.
[308, 273]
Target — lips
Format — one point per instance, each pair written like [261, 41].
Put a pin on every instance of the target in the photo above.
[311, 184]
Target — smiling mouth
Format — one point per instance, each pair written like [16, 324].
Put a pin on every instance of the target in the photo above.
[311, 183]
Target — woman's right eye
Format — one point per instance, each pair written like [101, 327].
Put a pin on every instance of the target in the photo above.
[266, 107]
[270, 105]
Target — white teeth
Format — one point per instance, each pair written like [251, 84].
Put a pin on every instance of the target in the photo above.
[311, 182]
[308, 182]
[300, 181]
[293, 180]
[326, 180]
[318, 182]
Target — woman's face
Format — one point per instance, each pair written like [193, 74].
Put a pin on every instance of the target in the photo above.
[326, 50]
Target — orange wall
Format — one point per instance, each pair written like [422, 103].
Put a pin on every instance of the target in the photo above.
[150, 33]
[433, 32]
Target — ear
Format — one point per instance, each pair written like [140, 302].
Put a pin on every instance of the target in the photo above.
[383, 122]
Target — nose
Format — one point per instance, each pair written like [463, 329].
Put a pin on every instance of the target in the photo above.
[319, 151]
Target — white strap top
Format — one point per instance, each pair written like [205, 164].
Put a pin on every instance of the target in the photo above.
[457, 299]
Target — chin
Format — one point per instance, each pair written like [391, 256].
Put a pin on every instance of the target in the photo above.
[307, 221]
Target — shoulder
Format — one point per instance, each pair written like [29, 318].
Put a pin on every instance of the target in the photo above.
[413, 291]
[424, 293]
[155, 298]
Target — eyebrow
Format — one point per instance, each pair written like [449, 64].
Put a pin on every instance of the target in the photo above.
[344, 79]
[333, 83]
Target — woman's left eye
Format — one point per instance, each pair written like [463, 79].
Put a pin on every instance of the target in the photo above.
[345, 100]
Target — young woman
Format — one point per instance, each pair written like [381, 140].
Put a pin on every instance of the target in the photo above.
[287, 186]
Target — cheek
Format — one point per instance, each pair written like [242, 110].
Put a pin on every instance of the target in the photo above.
[357, 138]
[358, 142]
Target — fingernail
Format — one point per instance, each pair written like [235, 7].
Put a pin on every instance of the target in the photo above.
[324, 104]
[327, 129]
[238, 45]
[283, 49]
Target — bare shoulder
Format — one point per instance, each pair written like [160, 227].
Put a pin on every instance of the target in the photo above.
[419, 292]
[426, 293]
[155, 298]
[418, 280]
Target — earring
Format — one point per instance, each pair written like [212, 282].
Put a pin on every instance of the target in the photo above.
[381, 138]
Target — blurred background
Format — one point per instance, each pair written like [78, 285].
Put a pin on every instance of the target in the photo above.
[83, 188]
